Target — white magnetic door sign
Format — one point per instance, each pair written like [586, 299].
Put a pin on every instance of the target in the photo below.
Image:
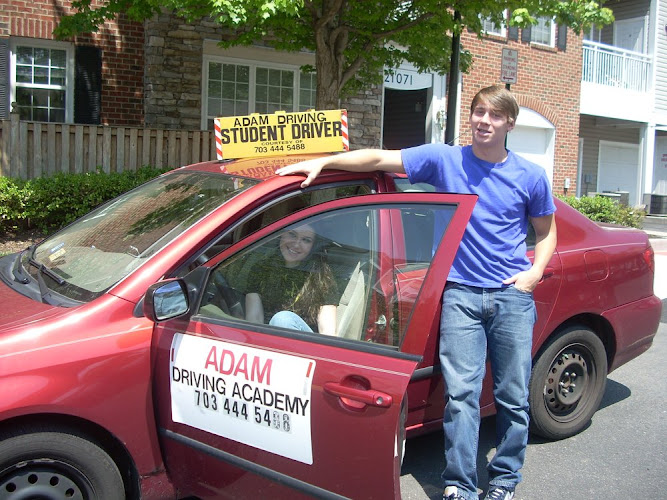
[257, 397]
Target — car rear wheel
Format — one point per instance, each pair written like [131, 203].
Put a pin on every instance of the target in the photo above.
[56, 465]
[567, 383]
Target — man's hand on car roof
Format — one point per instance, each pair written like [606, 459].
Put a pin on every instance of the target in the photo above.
[311, 168]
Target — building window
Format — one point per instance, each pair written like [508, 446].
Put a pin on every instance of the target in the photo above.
[42, 80]
[594, 34]
[228, 89]
[274, 90]
[307, 91]
[544, 32]
[491, 28]
[235, 88]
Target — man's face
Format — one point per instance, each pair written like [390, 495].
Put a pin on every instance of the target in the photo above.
[489, 126]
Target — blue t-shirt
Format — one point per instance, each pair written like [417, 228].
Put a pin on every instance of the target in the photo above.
[493, 247]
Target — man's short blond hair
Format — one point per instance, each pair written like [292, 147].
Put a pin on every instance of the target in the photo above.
[500, 99]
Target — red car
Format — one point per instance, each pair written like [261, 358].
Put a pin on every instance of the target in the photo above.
[128, 367]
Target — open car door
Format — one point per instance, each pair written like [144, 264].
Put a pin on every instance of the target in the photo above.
[247, 409]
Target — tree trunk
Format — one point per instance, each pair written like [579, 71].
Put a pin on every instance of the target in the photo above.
[329, 69]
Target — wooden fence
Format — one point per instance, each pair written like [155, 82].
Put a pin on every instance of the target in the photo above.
[34, 149]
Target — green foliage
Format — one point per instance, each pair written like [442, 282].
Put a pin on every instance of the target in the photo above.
[352, 40]
[603, 209]
[12, 202]
[48, 203]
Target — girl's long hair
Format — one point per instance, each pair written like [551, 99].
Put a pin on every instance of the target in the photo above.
[318, 287]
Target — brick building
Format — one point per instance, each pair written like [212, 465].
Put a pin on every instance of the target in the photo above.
[547, 90]
[95, 78]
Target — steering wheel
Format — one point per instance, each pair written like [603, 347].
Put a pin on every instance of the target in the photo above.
[231, 297]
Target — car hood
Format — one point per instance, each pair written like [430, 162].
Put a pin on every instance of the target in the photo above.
[20, 310]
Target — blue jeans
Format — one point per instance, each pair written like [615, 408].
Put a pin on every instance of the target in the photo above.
[291, 320]
[475, 321]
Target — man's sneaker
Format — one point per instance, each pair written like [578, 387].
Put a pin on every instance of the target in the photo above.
[499, 493]
[452, 493]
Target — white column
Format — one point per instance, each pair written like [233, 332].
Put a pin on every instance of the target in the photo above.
[438, 109]
[646, 160]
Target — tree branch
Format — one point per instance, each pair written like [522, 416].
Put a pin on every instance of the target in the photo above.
[355, 65]
[388, 33]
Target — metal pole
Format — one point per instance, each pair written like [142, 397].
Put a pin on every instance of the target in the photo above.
[507, 86]
[453, 83]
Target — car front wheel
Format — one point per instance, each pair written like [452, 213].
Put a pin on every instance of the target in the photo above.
[56, 465]
[567, 383]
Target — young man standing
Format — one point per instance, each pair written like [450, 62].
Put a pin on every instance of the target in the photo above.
[487, 305]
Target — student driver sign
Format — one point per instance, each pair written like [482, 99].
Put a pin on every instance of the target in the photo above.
[281, 134]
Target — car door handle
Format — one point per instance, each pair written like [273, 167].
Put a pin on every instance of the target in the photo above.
[548, 272]
[366, 396]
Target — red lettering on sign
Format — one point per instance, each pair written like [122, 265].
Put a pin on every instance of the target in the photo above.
[227, 364]
[212, 359]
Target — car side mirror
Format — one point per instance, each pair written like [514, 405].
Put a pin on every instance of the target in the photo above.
[166, 300]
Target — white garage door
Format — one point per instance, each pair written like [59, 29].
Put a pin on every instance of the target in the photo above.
[533, 139]
[618, 168]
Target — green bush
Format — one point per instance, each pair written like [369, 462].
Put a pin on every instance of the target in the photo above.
[48, 203]
[603, 209]
[12, 202]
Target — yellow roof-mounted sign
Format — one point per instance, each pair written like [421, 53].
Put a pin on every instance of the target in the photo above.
[281, 134]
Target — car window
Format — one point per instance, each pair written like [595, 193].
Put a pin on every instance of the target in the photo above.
[283, 207]
[331, 274]
[322, 262]
[89, 256]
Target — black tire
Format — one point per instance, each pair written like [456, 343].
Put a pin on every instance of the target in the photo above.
[567, 383]
[45, 464]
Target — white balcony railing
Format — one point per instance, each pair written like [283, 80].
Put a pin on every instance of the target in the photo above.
[613, 67]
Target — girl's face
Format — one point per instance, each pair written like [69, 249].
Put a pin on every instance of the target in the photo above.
[296, 244]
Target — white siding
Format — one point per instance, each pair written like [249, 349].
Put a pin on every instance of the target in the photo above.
[661, 59]
[592, 134]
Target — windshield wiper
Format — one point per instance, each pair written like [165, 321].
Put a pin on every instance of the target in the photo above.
[45, 270]
[20, 274]
[18, 270]
[45, 291]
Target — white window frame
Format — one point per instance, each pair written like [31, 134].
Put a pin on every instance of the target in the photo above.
[594, 34]
[494, 28]
[68, 47]
[552, 34]
[253, 65]
[635, 22]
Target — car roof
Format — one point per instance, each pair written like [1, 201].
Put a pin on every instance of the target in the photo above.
[259, 168]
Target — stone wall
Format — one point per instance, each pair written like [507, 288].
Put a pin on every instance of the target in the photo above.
[173, 81]
[173, 72]
[364, 113]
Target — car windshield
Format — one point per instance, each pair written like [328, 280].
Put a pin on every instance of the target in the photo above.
[94, 253]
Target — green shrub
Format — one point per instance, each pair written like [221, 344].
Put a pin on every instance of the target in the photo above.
[603, 209]
[48, 203]
[12, 202]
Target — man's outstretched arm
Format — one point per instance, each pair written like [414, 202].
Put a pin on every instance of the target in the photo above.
[361, 160]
